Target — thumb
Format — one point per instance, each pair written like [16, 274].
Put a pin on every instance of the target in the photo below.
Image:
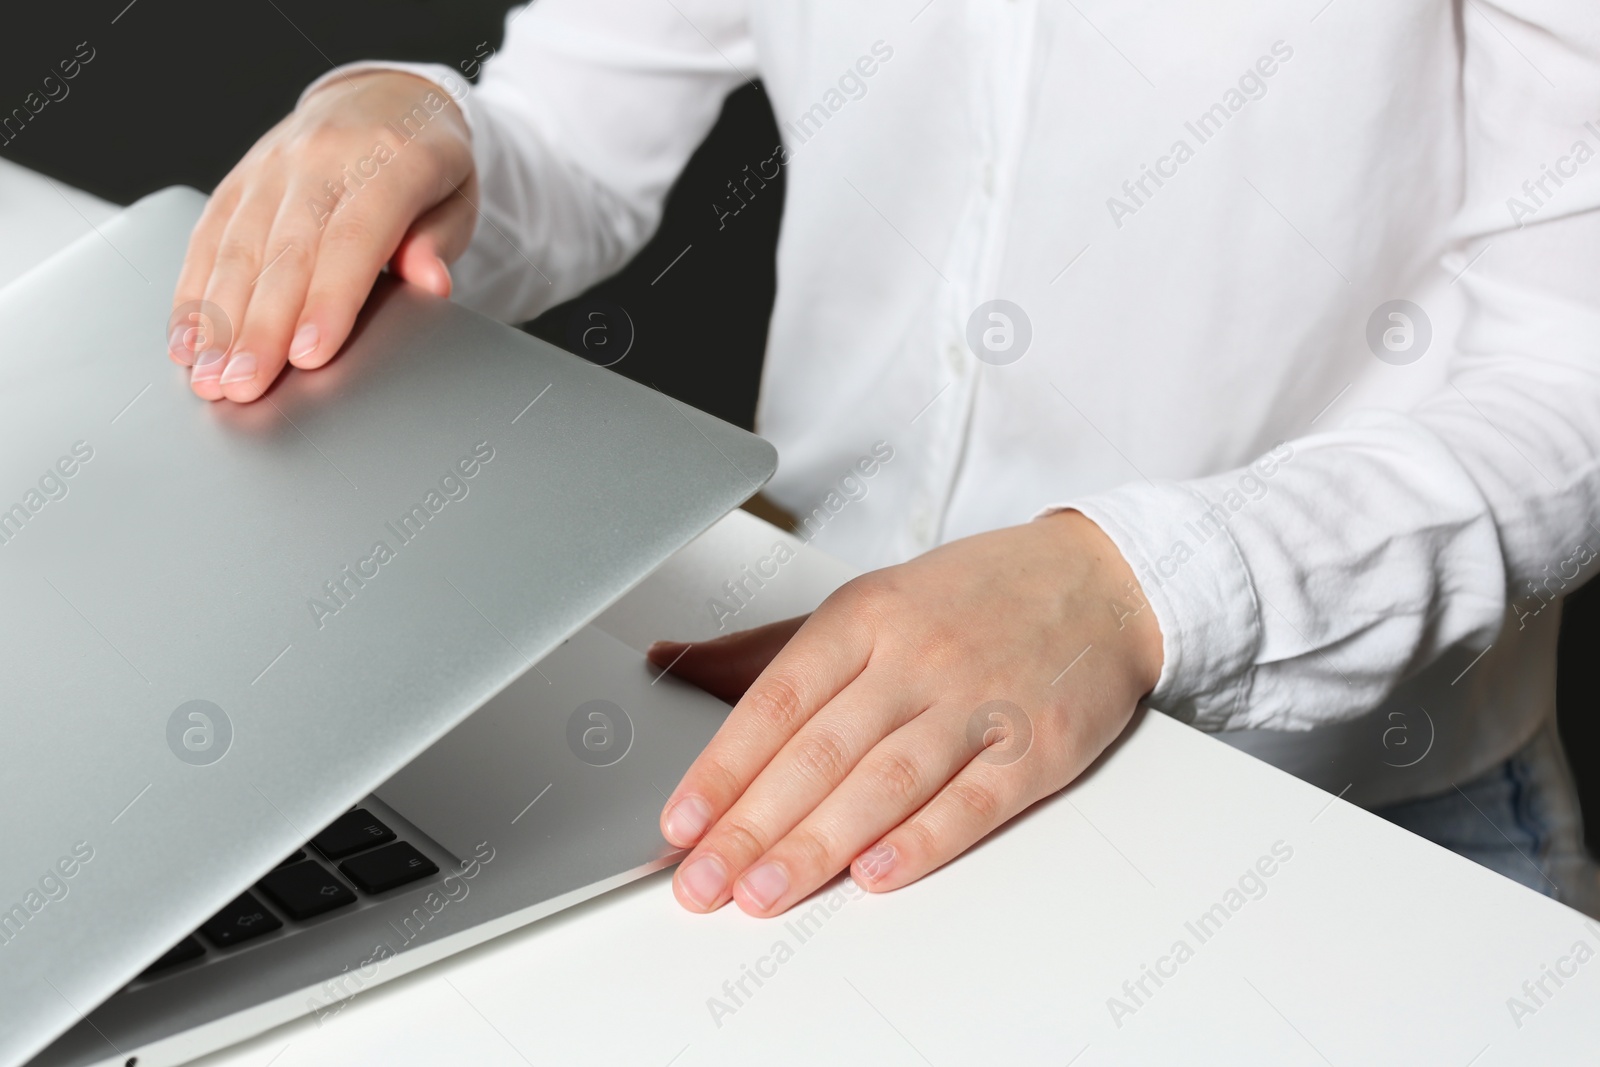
[725, 666]
[434, 240]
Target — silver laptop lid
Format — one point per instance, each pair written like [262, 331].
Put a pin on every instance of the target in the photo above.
[224, 624]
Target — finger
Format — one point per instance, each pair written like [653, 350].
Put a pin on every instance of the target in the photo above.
[356, 244]
[893, 780]
[980, 797]
[276, 298]
[417, 261]
[434, 241]
[809, 767]
[824, 656]
[725, 666]
[185, 331]
[238, 260]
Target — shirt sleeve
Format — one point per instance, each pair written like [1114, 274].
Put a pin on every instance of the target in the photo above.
[1345, 561]
[580, 124]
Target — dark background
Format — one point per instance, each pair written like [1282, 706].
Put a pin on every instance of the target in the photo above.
[179, 89]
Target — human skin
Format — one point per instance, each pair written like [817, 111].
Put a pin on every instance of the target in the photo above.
[862, 736]
[288, 272]
[853, 742]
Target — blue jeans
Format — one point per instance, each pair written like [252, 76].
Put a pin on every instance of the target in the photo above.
[1520, 818]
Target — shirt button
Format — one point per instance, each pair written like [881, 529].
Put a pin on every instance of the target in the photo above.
[954, 357]
[922, 526]
[988, 179]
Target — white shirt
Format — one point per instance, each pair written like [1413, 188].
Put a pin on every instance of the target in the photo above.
[1198, 212]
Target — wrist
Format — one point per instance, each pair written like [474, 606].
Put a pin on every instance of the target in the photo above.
[406, 88]
[1106, 583]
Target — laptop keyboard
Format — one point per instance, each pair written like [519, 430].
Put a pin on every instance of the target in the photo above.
[305, 890]
[350, 833]
[366, 854]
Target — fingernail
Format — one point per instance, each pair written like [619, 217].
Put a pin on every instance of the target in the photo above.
[178, 344]
[703, 880]
[304, 343]
[241, 368]
[208, 364]
[877, 861]
[765, 885]
[687, 820]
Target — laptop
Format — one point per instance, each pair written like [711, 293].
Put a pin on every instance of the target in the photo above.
[302, 695]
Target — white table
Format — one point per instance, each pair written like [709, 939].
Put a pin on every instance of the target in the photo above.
[1365, 945]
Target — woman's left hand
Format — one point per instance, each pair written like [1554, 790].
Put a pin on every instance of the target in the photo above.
[917, 709]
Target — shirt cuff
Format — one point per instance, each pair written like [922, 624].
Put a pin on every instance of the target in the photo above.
[453, 85]
[1195, 580]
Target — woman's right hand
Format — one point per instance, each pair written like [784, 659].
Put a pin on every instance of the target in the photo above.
[369, 170]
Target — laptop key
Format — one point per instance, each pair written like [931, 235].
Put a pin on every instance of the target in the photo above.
[239, 922]
[299, 854]
[305, 890]
[182, 952]
[387, 868]
[351, 832]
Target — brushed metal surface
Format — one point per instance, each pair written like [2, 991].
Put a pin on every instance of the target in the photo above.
[182, 558]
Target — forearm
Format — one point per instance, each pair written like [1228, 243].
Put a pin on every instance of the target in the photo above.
[1301, 590]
